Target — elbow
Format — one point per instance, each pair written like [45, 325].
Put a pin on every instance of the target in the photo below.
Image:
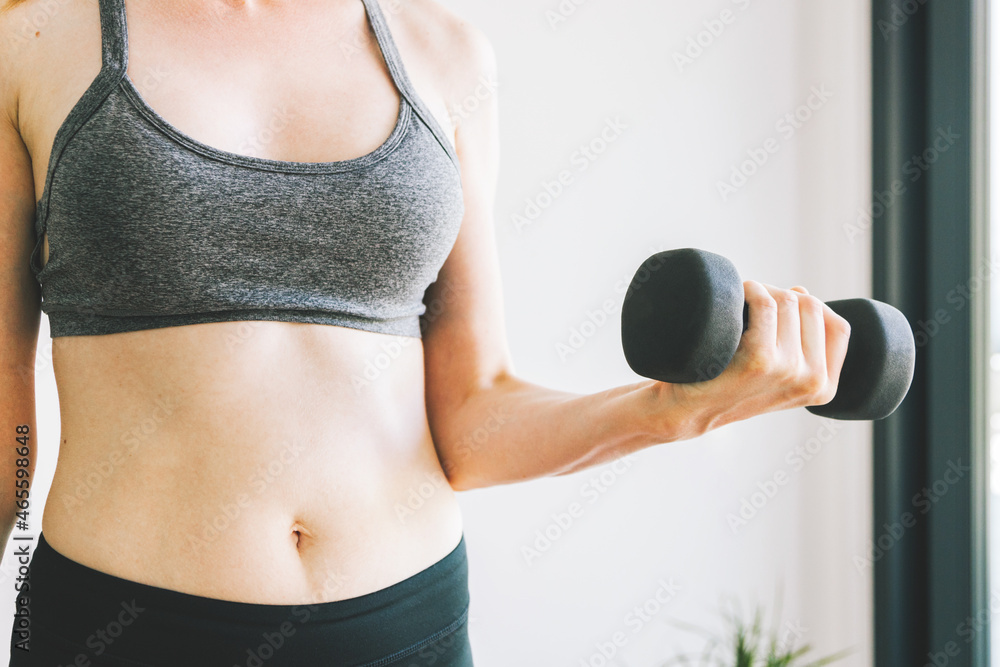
[464, 439]
[458, 478]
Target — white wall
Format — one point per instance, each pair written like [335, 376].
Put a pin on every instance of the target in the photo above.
[655, 188]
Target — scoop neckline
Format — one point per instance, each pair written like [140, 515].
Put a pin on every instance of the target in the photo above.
[268, 164]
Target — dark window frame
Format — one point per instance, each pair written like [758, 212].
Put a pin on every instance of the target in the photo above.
[929, 75]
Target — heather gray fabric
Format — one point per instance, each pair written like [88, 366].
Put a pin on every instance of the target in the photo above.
[150, 228]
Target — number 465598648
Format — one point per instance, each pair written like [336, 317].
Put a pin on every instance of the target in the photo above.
[22, 482]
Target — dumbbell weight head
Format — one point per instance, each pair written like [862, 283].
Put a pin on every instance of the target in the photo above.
[878, 369]
[682, 318]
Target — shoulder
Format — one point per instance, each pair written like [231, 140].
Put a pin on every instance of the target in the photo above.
[11, 15]
[37, 37]
[459, 53]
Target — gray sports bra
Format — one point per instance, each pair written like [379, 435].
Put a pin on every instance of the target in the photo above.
[150, 228]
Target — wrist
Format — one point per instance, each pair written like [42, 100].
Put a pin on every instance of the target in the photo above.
[679, 412]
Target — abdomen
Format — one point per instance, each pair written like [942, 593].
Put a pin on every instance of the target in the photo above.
[259, 461]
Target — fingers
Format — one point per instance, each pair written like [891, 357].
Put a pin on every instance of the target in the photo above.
[789, 332]
[814, 338]
[798, 340]
[838, 333]
[793, 350]
[763, 324]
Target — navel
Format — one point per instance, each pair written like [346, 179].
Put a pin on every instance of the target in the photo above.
[300, 534]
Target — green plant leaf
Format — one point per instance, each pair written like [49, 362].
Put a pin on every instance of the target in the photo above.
[749, 647]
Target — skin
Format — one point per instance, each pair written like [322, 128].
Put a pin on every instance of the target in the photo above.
[185, 422]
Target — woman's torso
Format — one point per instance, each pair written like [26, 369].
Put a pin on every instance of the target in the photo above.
[255, 461]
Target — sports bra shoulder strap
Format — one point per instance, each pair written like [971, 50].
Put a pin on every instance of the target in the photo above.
[114, 35]
[398, 72]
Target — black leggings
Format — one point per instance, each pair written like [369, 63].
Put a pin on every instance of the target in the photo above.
[81, 616]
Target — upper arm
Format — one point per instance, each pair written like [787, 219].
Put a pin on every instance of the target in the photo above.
[464, 338]
[19, 293]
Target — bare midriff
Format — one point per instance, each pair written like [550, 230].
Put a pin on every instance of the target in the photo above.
[256, 461]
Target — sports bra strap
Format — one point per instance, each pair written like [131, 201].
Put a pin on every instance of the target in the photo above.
[114, 34]
[398, 72]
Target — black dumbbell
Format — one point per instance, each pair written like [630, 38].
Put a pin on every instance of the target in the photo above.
[684, 315]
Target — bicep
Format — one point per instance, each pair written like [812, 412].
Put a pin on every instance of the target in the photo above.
[464, 336]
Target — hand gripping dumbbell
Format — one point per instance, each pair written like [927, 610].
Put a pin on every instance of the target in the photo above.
[684, 315]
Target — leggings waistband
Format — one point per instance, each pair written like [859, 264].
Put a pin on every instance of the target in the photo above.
[78, 608]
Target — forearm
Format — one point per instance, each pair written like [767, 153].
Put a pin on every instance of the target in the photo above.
[515, 431]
